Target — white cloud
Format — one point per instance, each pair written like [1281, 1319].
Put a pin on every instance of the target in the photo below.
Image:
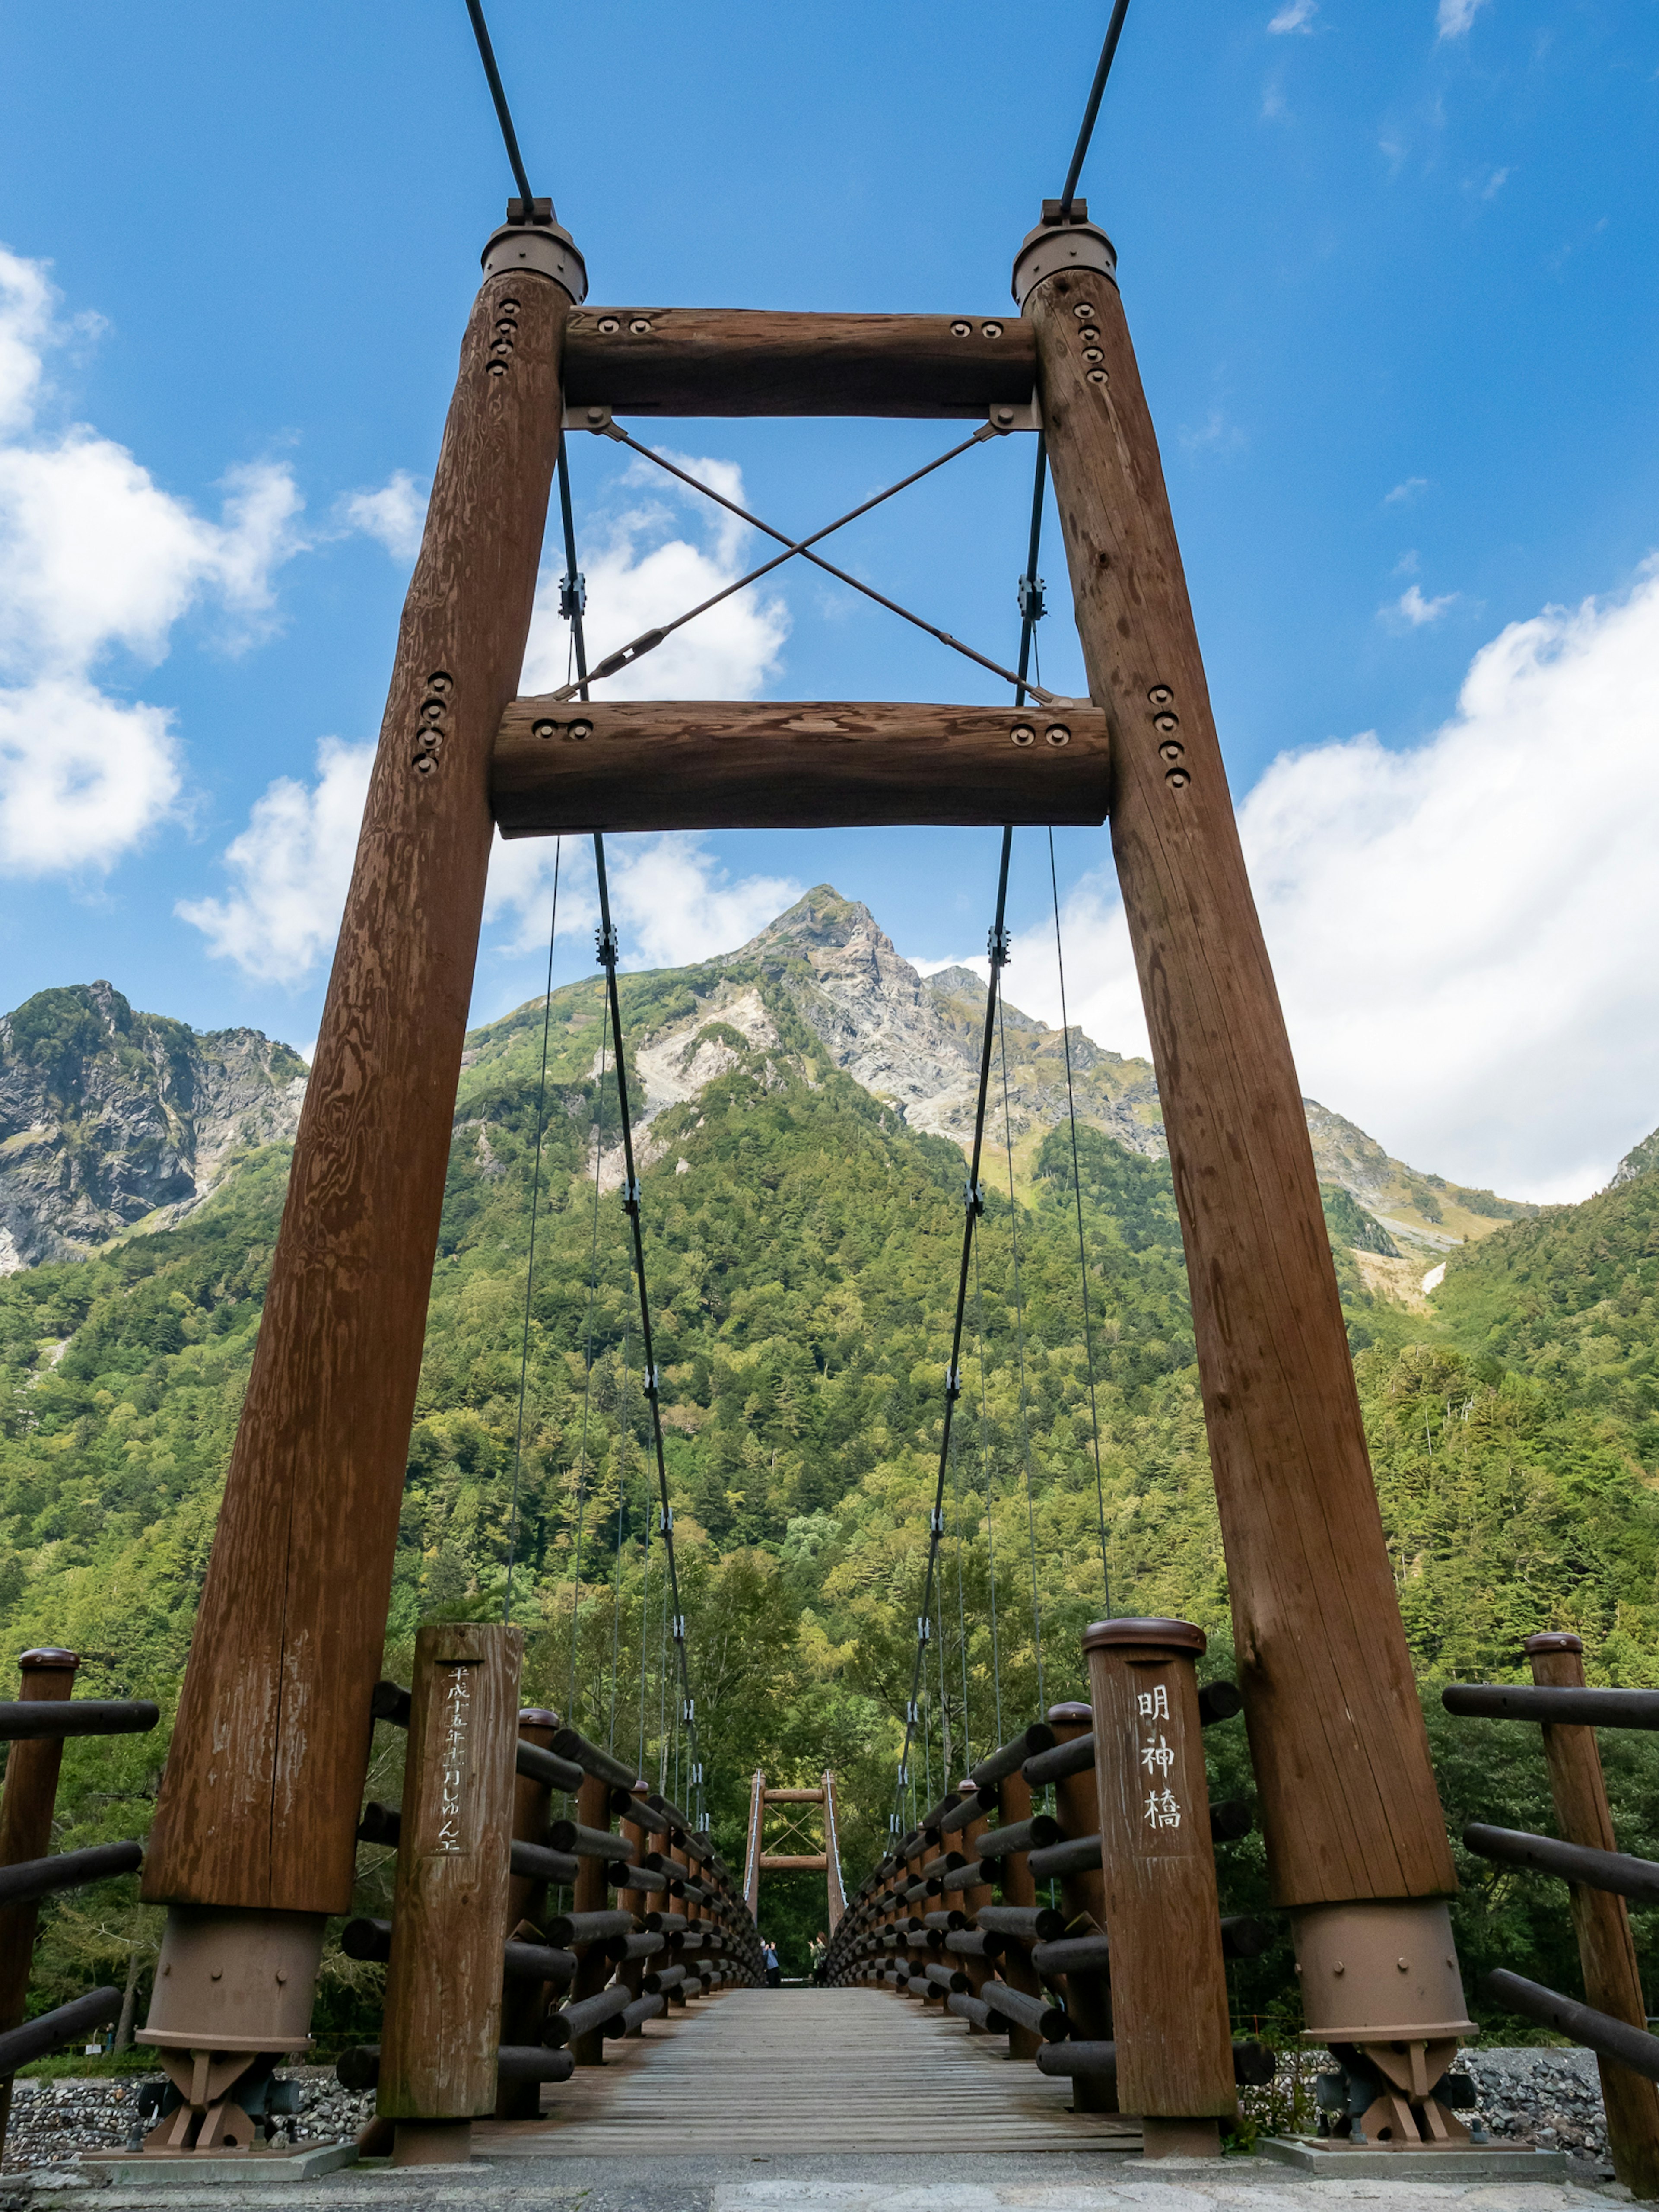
[95, 557]
[1215, 436]
[395, 514]
[1463, 931]
[1297, 17]
[1455, 16]
[641, 571]
[291, 865]
[1404, 494]
[672, 900]
[1414, 610]
[1495, 184]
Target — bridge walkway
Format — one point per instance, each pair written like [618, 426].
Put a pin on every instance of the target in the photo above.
[772, 2072]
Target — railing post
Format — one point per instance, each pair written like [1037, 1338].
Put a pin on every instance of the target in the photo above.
[1356, 1844]
[260, 1801]
[26, 1810]
[1088, 2004]
[1601, 1920]
[633, 1901]
[588, 1894]
[443, 1995]
[1014, 1805]
[1173, 2029]
[975, 1968]
[523, 2003]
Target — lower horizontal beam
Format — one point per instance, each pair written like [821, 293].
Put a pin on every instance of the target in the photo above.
[783, 1863]
[562, 766]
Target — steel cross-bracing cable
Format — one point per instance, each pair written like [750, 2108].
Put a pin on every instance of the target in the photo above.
[530, 1265]
[649, 641]
[973, 1203]
[503, 112]
[622, 1511]
[1104, 69]
[1081, 1248]
[607, 942]
[587, 1373]
[1019, 1346]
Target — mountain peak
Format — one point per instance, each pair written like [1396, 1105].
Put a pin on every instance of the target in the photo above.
[1641, 1159]
[822, 919]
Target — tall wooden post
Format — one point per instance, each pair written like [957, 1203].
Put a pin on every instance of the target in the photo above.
[260, 1796]
[1601, 1920]
[589, 1894]
[443, 1990]
[26, 1810]
[1348, 1802]
[1175, 2050]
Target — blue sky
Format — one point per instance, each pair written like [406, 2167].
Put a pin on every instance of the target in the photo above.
[1391, 277]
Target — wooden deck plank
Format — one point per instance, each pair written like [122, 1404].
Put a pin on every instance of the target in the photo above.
[767, 2072]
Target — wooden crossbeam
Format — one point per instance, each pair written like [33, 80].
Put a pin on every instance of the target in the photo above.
[793, 1797]
[562, 766]
[780, 1862]
[741, 360]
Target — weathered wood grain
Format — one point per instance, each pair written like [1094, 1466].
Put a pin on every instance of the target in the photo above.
[1083, 1896]
[443, 1995]
[1601, 1920]
[1341, 1757]
[591, 1894]
[747, 361]
[562, 766]
[1168, 2004]
[523, 2002]
[264, 1777]
[1018, 1887]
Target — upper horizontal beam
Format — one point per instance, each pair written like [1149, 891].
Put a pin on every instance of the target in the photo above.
[560, 766]
[743, 361]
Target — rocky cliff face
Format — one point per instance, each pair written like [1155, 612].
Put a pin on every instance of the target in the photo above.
[1642, 1159]
[111, 1120]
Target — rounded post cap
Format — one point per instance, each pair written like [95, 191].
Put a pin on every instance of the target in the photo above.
[1071, 1715]
[1083, 247]
[48, 1654]
[1552, 1639]
[537, 249]
[537, 1717]
[1131, 1631]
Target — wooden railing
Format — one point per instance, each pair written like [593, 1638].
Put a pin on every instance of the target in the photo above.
[1600, 1878]
[1018, 1921]
[523, 1936]
[35, 1725]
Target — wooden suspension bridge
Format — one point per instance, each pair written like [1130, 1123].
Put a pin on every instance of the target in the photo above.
[501, 2003]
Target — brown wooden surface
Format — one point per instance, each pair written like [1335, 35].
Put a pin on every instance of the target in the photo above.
[1082, 1897]
[263, 1781]
[639, 1840]
[978, 1970]
[1607, 1951]
[1169, 2011]
[443, 1992]
[750, 361]
[523, 2003]
[26, 1810]
[1015, 1967]
[1348, 1803]
[791, 764]
[590, 1894]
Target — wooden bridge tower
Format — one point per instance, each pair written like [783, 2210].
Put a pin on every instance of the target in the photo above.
[254, 1836]
[757, 1860]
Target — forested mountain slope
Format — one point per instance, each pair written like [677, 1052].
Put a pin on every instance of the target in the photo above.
[802, 1238]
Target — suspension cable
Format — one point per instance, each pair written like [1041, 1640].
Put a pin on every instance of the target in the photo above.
[1082, 1249]
[530, 1265]
[974, 1206]
[503, 112]
[1019, 1344]
[622, 1509]
[1114, 32]
[607, 953]
[985, 1467]
[587, 1371]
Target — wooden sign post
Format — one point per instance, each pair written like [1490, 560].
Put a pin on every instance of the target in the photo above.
[443, 1992]
[1170, 2015]
[1348, 1802]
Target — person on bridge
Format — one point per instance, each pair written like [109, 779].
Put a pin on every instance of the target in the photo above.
[819, 1945]
[773, 1971]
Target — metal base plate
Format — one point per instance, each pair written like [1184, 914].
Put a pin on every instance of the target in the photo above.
[229, 2169]
[1375, 2161]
